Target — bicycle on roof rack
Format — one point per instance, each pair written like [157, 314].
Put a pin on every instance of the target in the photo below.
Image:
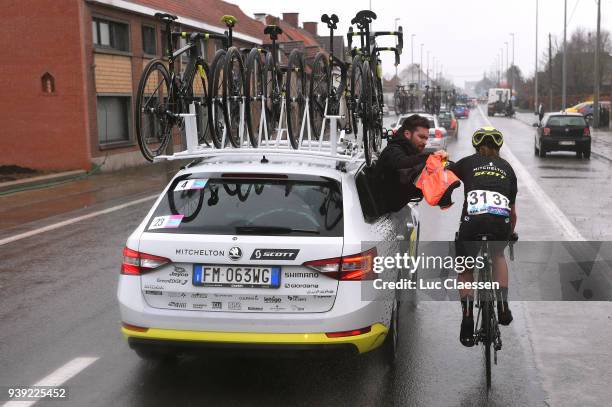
[366, 80]
[328, 85]
[163, 94]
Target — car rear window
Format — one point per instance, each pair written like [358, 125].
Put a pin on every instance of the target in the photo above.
[562, 121]
[296, 206]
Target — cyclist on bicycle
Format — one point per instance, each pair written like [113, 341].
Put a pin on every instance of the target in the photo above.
[490, 188]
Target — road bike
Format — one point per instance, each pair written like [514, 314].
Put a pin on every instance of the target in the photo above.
[164, 94]
[328, 84]
[486, 329]
[366, 81]
[284, 84]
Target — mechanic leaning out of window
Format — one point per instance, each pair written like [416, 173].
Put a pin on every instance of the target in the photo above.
[403, 160]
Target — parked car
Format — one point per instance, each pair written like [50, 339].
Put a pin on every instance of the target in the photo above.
[448, 120]
[257, 254]
[437, 133]
[586, 109]
[461, 111]
[562, 131]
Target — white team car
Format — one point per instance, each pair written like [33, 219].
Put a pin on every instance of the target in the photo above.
[262, 253]
[437, 134]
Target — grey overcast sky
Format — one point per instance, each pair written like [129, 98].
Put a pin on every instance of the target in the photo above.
[464, 36]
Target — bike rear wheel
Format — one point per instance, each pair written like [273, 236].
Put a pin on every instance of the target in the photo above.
[376, 113]
[319, 92]
[487, 329]
[359, 98]
[367, 100]
[235, 95]
[272, 88]
[199, 96]
[217, 111]
[295, 94]
[254, 91]
[153, 124]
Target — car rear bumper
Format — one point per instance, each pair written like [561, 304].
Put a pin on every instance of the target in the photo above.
[245, 341]
[551, 144]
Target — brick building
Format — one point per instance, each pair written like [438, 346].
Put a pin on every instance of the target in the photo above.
[70, 70]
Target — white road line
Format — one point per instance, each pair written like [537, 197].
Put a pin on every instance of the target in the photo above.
[57, 378]
[549, 207]
[67, 222]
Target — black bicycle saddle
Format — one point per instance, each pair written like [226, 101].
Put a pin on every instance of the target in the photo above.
[273, 31]
[364, 17]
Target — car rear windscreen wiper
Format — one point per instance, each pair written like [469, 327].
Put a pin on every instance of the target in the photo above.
[257, 230]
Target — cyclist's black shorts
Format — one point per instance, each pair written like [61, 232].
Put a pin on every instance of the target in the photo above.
[472, 227]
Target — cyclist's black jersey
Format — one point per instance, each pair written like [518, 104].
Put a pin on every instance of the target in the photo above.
[489, 185]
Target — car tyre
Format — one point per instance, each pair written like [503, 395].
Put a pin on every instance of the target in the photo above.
[578, 154]
[541, 152]
[535, 149]
[587, 154]
[389, 347]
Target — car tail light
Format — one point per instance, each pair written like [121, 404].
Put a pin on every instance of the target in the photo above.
[438, 133]
[136, 263]
[546, 131]
[349, 333]
[348, 268]
[587, 132]
[134, 327]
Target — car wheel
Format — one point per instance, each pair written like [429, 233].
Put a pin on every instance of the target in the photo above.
[541, 152]
[535, 149]
[578, 154]
[389, 347]
[587, 154]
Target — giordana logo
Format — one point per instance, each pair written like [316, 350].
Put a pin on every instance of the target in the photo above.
[235, 253]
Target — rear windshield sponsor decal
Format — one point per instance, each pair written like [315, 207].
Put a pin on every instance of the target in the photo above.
[274, 254]
[190, 184]
[165, 222]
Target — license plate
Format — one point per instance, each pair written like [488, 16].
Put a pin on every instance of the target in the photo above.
[236, 276]
[567, 143]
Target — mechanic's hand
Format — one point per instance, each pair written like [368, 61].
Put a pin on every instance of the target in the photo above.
[443, 154]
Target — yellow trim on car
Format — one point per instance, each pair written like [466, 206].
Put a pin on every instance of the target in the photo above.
[364, 343]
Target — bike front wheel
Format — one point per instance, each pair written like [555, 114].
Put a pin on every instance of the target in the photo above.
[295, 97]
[234, 75]
[153, 101]
[319, 95]
[217, 111]
[254, 90]
[198, 95]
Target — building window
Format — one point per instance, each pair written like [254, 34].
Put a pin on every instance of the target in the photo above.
[110, 34]
[113, 119]
[148, 40]
[48, 83]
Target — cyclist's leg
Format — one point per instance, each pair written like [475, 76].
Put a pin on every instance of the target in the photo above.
[500, 271]
[465, 246]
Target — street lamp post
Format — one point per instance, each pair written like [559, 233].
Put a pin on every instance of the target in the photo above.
[421, 65]
[427, 68]
[563, 81]
[507, 62]
[536, 61]
[512, 67]
[412, 58]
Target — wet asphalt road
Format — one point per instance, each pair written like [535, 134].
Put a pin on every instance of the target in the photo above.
[58, 303]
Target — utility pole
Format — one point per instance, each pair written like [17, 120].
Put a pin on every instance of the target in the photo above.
[433, 73]
[597, 46]
[412, 58]
[536, 61]
[396, 77]
[427, 68]
[550, 69]
[512, 68]
[421, 66]
[507, 59]
[564, 73]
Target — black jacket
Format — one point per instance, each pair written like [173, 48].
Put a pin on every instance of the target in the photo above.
[398, 167]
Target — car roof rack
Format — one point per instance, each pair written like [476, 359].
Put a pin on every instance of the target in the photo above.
[339, 147]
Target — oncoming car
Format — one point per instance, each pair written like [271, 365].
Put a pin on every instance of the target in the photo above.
[264, 253]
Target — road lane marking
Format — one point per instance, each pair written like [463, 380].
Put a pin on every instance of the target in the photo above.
[57, 378]
[557, 216]
[67, 222]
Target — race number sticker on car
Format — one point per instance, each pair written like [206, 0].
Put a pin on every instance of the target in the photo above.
[190, 184]
[166, 222]
[480, 202]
